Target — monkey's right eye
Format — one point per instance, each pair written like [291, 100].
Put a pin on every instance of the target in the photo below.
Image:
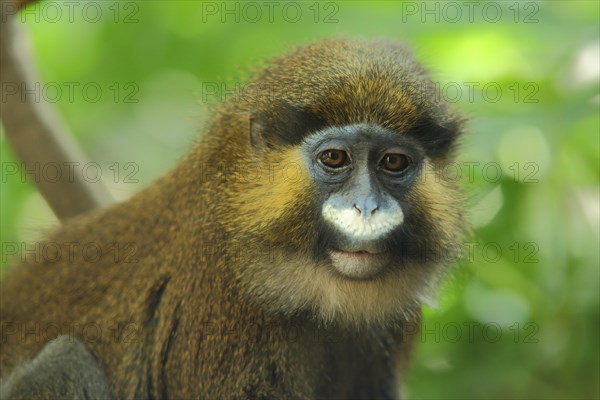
[334, 158]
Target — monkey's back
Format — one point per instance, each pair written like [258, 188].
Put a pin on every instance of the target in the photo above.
[100, 278]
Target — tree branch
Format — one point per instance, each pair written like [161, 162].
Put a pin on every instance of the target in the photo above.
[35, 131]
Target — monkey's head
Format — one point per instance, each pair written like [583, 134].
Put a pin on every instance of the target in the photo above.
[335, 202]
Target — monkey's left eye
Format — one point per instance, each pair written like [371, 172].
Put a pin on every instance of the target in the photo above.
[395, 162]
[334, 158]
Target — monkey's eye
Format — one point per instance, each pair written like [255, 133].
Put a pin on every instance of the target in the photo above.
[395, 162]
[334, 158]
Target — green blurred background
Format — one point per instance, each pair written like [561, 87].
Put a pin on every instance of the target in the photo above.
[519, 317]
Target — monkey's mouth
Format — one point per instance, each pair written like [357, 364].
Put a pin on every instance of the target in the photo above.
[358, 264]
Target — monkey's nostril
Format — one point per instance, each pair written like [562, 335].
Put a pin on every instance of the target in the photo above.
[367, 214]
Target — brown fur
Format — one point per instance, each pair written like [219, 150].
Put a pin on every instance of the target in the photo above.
[222, 300]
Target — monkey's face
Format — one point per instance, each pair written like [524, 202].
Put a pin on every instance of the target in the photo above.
[363, 175]
[352, 207]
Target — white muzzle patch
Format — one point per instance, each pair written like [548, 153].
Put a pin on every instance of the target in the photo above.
[350, 222]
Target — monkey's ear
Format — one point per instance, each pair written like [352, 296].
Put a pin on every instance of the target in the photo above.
[438, 138]
[256, 127]
[284, 124]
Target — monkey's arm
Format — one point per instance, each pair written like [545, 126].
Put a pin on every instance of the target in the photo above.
[64, 369]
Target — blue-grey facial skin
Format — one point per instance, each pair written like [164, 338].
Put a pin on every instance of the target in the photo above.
[361, 204]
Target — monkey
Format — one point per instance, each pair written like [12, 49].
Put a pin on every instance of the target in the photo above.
[286, 256]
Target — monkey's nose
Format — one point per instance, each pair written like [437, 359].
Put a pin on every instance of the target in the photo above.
[367, 207]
